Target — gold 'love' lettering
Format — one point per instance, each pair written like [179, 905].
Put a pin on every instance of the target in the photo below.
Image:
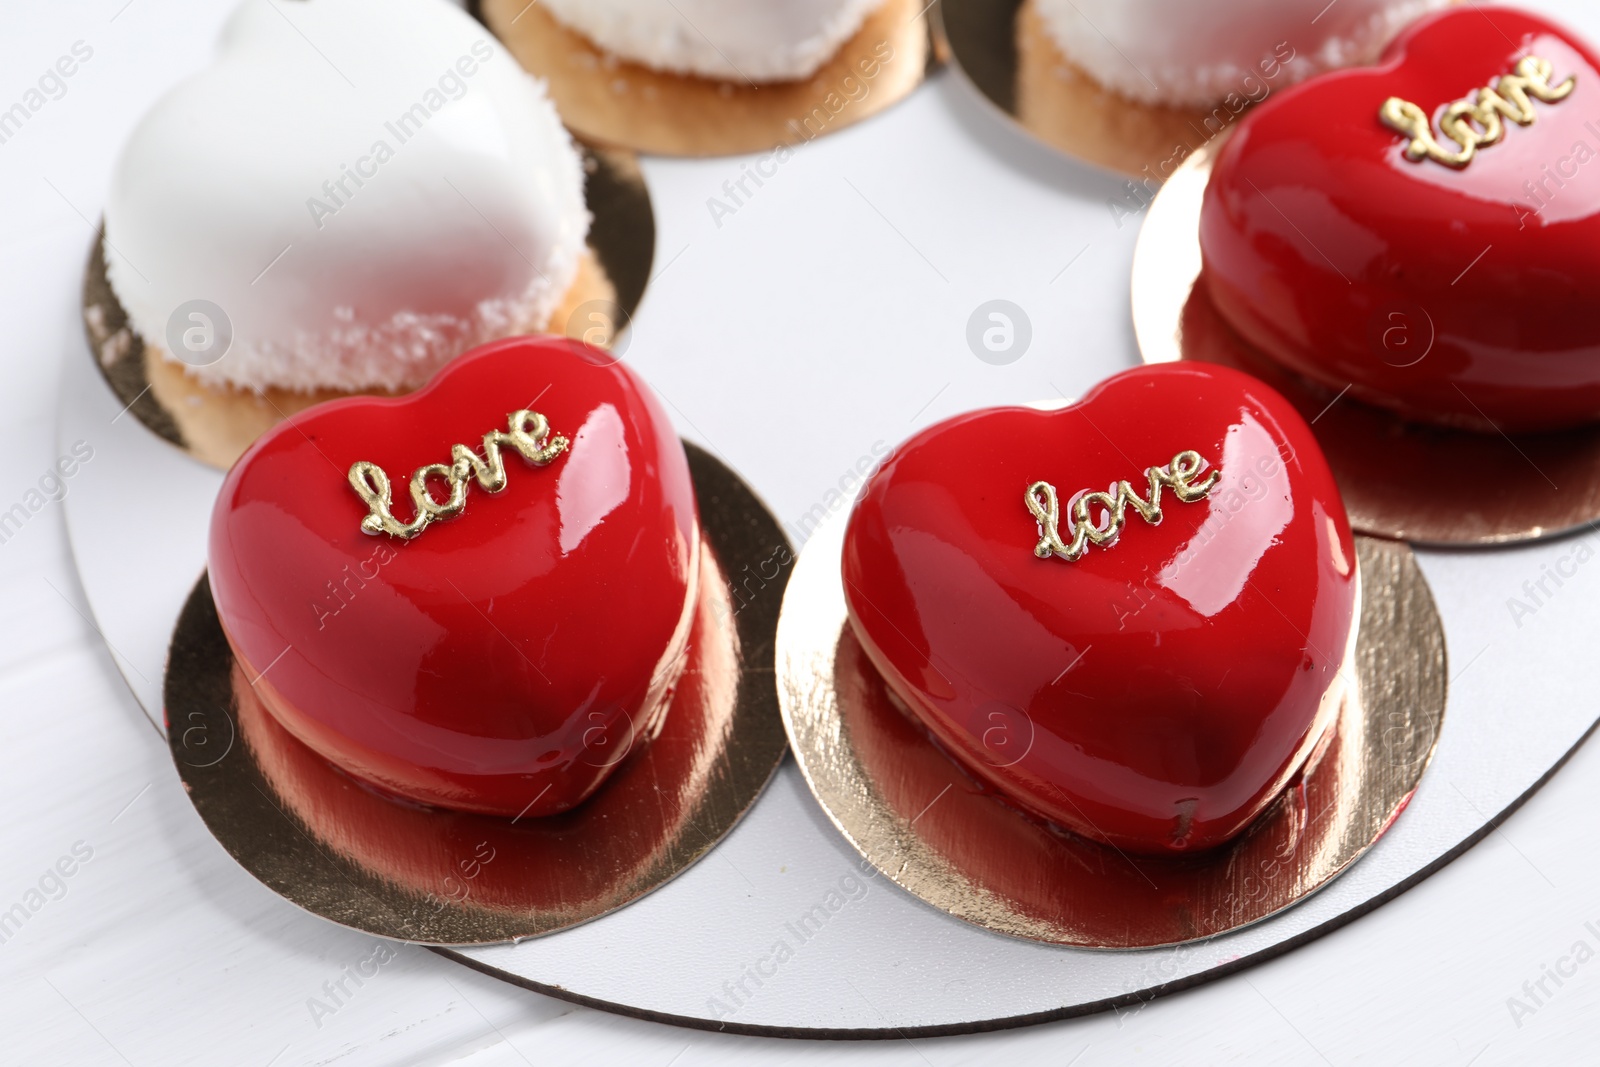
[1042, 501]
[528, 433]
[1478, 120]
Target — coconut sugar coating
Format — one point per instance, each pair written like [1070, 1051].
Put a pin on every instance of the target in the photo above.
[1184, 53]
[365, 188]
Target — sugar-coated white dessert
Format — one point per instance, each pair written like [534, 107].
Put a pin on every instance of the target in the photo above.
[366, 188]
[729, 40]
[1182, 52]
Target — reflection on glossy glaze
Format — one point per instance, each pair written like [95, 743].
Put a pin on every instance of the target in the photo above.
[1171, 687]
[497, 664]
[552, 868]
[1333, 253]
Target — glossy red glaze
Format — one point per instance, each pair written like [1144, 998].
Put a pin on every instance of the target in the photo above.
[500, 660]
[1337, 256]
[1157, 693]
[555, 866]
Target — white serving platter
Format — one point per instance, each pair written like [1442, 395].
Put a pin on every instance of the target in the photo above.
[828, 314]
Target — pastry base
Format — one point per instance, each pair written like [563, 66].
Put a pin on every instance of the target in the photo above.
[216, 425]
[925, 824]
[614, 101]
[1387, 468]
[1004, 50]
[395, 869]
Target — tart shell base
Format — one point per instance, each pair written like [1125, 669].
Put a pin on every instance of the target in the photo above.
[1008, 55]
[217, 425]
[615, 101]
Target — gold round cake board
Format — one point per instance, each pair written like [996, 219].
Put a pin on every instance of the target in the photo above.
[614, 101]
[1387, 469]
[217, 425]
[1005, 52]
[339, 850]
[917, 817]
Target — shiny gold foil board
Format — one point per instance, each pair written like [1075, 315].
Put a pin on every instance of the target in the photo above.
[614, 101]
[217, 425]
[933, 830]
[1004, 50]
[1387, 468]
[334, 847]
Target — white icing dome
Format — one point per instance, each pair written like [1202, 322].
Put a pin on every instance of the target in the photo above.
[730, 40]
[1193, 53]
[366, 188]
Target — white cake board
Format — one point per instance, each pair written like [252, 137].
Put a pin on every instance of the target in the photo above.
[791, 359]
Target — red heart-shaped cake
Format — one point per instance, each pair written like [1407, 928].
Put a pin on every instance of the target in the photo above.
[1427, 231]
[476, 596]
[1153, 683]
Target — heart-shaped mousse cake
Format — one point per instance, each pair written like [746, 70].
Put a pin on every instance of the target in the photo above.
[1424, 232]
[1128, 615]
[361, 189]
[494, 640]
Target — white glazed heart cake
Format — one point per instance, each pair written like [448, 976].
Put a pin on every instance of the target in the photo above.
[729, 40]
[366, 188]
[1184, 52]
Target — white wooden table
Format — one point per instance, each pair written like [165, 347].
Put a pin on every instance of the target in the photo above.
[158, 949]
